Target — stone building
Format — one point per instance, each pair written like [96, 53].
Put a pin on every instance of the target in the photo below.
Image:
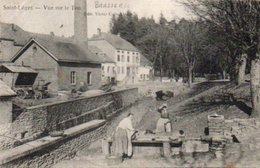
[12, 39]
[16, 75]
[6, 95]
[60, 61]
[108, 73]
[65, 62]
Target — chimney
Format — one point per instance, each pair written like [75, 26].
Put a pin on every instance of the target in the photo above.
[98, 31]
[80, 20]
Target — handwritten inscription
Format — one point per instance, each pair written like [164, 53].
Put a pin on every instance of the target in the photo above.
[99, 4]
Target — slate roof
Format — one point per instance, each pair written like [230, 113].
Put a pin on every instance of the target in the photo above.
[116, 41]
[14, 32]
[6, 91]
[105, 58]
[69, 51]
[16, 68]
[63, 49]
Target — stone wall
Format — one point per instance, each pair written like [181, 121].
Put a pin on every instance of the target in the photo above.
[220, 127]
[62, 115]
[239, 126]
[63, 150]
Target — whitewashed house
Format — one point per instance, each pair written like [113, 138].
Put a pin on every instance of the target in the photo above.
[108, 66]
[126, 56]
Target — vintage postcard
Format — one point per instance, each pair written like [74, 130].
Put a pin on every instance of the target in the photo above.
[129, 83]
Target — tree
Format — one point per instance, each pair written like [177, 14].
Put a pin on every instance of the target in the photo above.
[155, 44]
[189, 40]
[240, 20]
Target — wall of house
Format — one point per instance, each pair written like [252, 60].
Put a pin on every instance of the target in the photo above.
[105, 47]
[5, 110]
[8, 78]
[123, 65]
[144, 73]
[64, 75]
[41, 62]
[8, 50]
[108, 72]
[130, 66]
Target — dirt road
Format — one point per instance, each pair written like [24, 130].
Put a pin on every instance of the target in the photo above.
[188, 113]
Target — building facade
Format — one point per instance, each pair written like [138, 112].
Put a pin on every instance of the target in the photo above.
[108, 66]
[145, 70]
[62, 63]
[6, 94]
[124, 54]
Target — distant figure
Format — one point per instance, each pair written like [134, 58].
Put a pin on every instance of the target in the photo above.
[163, 123]
[234, 138]
[122, 145]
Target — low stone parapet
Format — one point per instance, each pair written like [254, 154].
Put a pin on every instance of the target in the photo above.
[48, 150]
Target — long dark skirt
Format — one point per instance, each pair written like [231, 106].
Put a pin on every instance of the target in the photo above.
[120, 142]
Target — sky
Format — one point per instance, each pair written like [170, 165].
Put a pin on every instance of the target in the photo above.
[35, 16]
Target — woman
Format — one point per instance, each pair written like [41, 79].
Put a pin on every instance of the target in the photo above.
[122, 145]
[163, 123]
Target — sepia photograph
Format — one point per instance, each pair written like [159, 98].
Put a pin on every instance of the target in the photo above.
[129, 83]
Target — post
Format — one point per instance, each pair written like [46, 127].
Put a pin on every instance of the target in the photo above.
[166, 149]
[105, 147]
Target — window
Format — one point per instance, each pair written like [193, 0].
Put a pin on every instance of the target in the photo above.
[114, 70]
[137, 70]
[123, 59]
[136, 53]
[108, 69]
[127, 52]
[89, 78]
[118, 58]
[118, 70]
[128, 59]
[102, 68]
[133, 53]
[73, 78]
[147, 76]
[123, 70]
[137, 59]
[118, 50]
[122, 51]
